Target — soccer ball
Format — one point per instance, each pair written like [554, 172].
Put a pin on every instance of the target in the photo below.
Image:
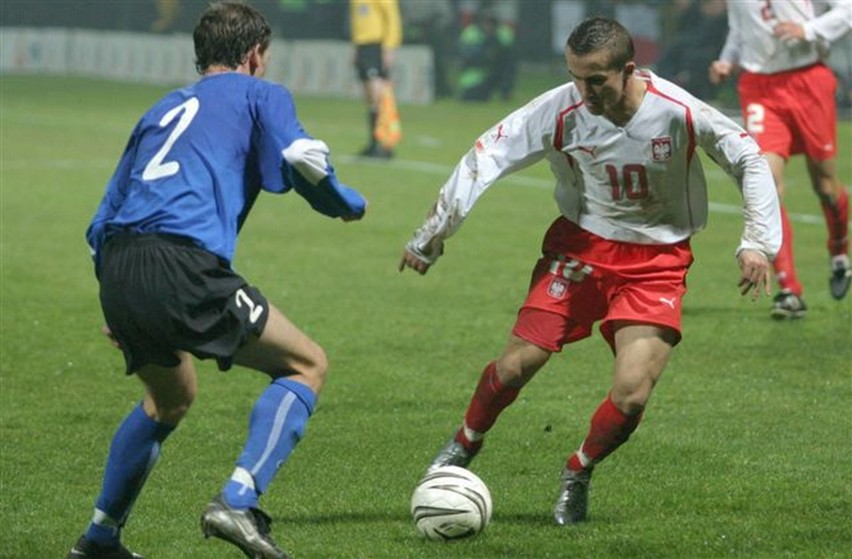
[450, 503]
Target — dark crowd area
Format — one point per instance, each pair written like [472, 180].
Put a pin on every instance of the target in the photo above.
[478, 45]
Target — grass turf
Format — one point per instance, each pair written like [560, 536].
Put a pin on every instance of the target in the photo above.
[744, 451]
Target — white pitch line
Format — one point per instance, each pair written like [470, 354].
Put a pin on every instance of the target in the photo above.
[403, 164]
[60, 164]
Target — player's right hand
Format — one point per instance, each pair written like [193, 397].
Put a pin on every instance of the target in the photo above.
[355, 217]
[719, 71]
[408, 260]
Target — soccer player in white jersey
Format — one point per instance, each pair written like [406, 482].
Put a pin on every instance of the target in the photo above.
[631, 192]
[787, 98]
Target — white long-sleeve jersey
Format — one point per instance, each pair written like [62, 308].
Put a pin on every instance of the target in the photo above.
[640, 183]
[752, 44]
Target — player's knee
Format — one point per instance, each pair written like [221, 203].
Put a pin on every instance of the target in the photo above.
[631, 406]
[314, 367]
[169, 393]
[516, 368]
[509, 371]
[175, 414]
[826, 188]
[630, 401]
[320, 365]
[170, 410]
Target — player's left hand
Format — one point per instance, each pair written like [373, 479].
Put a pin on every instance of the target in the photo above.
[108, 333]
[754, 273]
[789, 31]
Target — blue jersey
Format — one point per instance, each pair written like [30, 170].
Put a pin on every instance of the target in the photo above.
[198, 158]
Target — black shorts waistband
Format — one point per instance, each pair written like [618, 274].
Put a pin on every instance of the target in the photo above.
[120, 240]
[125, 237]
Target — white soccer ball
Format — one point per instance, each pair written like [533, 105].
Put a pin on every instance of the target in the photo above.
[450, 503]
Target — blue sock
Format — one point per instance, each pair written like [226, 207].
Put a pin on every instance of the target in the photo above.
[277, 423]
[134, 451]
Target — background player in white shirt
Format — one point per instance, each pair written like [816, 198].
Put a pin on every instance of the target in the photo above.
[631, 192]
[788, 102]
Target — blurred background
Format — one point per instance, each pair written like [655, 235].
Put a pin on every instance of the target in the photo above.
[473, 50]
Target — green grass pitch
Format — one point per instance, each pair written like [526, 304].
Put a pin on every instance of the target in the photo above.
[744, 451]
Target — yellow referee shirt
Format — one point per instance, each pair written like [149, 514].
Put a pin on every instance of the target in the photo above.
[375, 21]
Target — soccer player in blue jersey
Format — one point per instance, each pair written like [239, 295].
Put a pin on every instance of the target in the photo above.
[163, 240]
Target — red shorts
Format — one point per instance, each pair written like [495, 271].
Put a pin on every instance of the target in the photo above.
[792, 112]
[583, 278]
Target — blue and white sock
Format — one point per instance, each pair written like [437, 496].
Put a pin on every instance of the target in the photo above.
[134, 451]
[276, 425]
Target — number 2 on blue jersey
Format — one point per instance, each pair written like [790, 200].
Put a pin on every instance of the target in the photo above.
[157, 168]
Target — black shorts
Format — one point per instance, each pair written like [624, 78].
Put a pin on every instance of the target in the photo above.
[368, 62]
[163, 293]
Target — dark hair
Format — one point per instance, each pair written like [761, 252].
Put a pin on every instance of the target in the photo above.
[226, 33]
[596, 33]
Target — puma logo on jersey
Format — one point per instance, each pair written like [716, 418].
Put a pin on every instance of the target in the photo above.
[589, 150]
[669, 302]
[500, 134]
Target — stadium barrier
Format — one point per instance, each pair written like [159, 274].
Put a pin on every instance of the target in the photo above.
[319, 68]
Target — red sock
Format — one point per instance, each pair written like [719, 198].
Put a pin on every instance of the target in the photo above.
[837, 218]
[785, 269]
[490, 398]
[610, 429]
